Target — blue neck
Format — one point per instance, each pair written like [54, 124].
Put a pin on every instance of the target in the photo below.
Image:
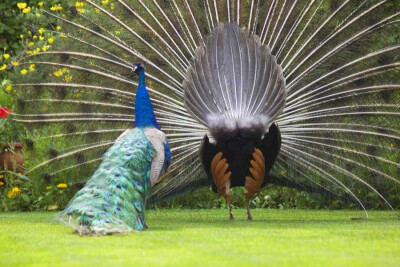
[144, 114]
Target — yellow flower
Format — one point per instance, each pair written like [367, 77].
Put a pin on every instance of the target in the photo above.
[14, 191]
[6, 56]
[21, 5]
[41, 30]
[40, 4]
[392, 145]
[79, 4]
[37, 50]
[34, 37]
[31, 43]
[52, 207]
[58, 28]
[24, 71]
[27, 10]
[63, 35]
[60, 72]
[38, 15]
[3, 67]
[14, 63]
[1, 183]
[56, 8]
[104, 2]
[62, 185]
[32, 67]
[21, 35]
[51, 40]
[41, 38]
[117, 32]
[48, 187]
[68, 78]
[97, 10]
[8, 88]
[45, 48]
[112, 5]
[283, 172]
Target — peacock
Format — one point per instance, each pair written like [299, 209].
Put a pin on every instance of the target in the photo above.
[303, 94]
[244, 150]
[113, 200]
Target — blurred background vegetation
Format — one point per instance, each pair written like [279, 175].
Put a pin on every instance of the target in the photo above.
[17, 194]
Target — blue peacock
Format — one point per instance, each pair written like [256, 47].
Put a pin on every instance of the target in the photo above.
[113, 200]
[303, 94]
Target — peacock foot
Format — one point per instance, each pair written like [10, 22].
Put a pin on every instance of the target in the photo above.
[248, 197]
[228, 200]
[249, 217]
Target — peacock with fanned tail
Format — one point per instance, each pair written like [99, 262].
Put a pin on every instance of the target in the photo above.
[303, 94]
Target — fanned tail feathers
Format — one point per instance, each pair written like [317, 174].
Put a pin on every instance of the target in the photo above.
[339, 60]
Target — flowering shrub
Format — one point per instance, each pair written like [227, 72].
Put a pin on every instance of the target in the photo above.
[12, 24]
[17, 193]
[29, 35]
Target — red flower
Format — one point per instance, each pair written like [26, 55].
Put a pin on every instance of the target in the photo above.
[4, 112]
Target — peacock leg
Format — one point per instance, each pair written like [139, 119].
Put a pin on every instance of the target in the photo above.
[230, 208]
[228, 197]
[249, 217]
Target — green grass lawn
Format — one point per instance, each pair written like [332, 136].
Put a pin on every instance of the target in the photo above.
[207, 237]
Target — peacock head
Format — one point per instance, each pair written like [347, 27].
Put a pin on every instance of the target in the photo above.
[138, 67]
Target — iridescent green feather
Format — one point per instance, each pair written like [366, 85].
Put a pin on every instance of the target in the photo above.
[113, 199]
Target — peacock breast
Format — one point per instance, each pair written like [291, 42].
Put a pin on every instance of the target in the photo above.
[160, 163]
